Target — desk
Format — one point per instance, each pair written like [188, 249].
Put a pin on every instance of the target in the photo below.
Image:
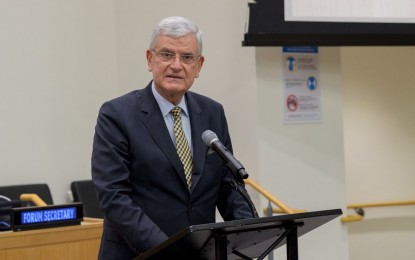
[71, 242]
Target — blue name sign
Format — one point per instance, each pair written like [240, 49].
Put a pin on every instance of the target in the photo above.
[47, 216]
[40, 216]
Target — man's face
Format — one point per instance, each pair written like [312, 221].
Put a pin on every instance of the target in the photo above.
[173, 78]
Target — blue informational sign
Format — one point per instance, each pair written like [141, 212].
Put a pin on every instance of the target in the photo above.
[300, 49]
[301, 84]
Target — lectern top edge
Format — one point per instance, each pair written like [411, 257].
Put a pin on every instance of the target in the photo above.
[250, 236]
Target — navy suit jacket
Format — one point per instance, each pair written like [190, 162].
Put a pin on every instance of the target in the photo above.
[139, 177]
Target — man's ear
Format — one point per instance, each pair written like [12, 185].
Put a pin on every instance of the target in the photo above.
[199, 65]
[149, 56]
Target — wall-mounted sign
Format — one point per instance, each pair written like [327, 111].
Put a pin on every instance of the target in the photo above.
[301, 85]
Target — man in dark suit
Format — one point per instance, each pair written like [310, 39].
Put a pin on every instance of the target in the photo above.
[139, 175]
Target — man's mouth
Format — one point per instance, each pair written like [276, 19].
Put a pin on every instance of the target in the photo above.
[174, 76]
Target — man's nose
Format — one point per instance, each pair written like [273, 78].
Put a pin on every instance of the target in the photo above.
[176, 62]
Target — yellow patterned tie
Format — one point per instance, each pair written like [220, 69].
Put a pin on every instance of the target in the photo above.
[182, 146]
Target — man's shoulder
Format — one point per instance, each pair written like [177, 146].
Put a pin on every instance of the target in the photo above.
[131, 96]
[126, 97]
[202, 99]
[130, 102]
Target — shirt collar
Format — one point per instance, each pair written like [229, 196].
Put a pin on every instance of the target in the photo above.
[165, 105]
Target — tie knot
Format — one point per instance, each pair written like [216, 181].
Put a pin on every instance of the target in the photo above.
[177, 112]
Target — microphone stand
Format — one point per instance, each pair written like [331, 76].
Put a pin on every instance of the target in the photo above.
[237, 184]
[238, 170]
[245, 195]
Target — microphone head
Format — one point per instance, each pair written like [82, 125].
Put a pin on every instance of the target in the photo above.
[208, 137]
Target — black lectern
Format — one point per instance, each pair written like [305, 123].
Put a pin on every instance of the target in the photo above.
[241, 239]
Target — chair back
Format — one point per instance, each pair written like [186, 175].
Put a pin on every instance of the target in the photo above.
[84, 191]
[13, 192]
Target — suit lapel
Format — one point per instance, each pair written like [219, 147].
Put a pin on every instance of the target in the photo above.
[156, 126]
[198, 124]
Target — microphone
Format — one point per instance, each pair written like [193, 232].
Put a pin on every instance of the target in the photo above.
[211, 140]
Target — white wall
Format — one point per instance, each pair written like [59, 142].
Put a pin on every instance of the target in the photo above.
[57, 65]
[59, 60]
[303, 164]
[379, 127]
[228, 74]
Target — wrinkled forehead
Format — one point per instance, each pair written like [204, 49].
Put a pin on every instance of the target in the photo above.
[186, 43]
